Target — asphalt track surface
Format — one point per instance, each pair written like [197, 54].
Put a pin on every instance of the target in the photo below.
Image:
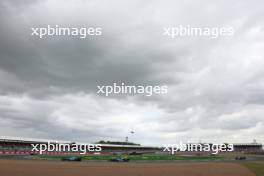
[59, 168]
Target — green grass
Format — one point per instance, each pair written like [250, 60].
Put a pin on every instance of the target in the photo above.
[256, 166]
[143, 157]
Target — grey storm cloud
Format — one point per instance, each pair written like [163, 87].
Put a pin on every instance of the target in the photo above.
[215, 86]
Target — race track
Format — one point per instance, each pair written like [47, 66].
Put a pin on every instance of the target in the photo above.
[57, 168]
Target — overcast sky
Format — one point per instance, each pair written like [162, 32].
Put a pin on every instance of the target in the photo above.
[215, 86]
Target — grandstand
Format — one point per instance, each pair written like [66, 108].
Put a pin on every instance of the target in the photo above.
[248, 147]
[22, 146]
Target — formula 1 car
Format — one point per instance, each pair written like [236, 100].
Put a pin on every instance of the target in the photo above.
[72, 158]
[240, 158]
[119, 159]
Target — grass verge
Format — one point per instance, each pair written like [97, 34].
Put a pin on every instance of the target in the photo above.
[256, 166]
[142, 157]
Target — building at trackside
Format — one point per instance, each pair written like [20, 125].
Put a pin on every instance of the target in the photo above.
[23, 146]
